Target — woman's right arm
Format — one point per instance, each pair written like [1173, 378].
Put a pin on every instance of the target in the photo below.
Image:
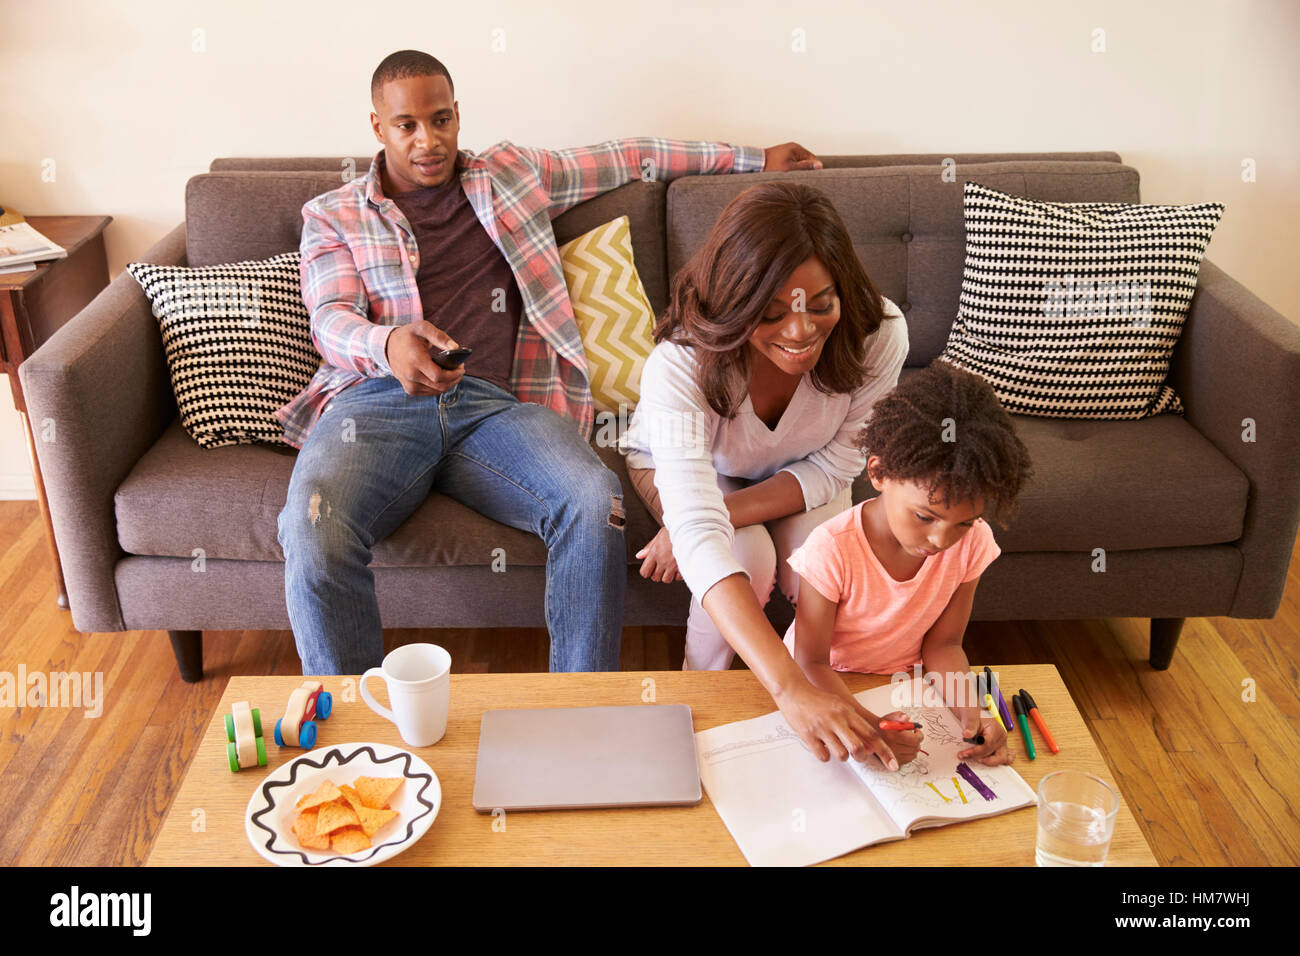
[830, 724]
[679, 428]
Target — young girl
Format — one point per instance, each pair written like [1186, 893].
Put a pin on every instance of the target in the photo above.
[889, 583]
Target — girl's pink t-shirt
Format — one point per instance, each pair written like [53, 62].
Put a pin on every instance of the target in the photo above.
[881, 622]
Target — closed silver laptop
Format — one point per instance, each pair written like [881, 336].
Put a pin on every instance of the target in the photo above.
[566, 758]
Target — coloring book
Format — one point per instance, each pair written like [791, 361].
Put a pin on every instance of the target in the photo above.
[784, 807]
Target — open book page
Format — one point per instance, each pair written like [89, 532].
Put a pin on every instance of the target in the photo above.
[928, 791]
[782, 805]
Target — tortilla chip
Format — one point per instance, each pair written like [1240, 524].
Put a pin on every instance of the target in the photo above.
[304, 828]
[353, 798]
[324, 794]
[372, 820]
[334, 815]
[349, 840]
[375, 791]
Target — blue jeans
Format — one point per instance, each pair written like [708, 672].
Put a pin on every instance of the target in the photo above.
[372, 459]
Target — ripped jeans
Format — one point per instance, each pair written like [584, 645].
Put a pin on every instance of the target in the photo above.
[372, 459]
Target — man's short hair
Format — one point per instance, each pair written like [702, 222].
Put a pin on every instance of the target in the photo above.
[404, 64]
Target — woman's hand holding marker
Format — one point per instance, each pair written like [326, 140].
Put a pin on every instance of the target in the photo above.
[833, 726]
[994, 749]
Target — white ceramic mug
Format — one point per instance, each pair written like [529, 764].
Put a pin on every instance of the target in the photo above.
[418, 677]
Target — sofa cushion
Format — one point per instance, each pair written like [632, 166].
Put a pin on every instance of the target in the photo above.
[1072, 310]
[226, 501]
[905, 221]
[612, 312]
[231, 216]
[237, 340]
[1152, 483]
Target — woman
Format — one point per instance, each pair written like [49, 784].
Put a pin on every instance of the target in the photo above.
[769, 357]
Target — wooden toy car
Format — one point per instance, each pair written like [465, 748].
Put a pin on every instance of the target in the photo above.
[245, 745]
[309, 703]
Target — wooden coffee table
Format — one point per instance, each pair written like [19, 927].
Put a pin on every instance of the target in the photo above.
[687, 836]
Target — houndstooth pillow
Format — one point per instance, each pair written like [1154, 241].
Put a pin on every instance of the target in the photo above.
[238, 343]
[1072, 310]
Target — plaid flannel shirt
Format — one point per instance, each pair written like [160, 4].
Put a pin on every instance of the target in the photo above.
[359, 261]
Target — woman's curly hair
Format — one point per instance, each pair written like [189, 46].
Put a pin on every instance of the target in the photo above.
[944, 429]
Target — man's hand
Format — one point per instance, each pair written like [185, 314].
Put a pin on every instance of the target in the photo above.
[789, 156]
[407, 351]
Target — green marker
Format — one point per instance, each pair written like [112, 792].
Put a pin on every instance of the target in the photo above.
[1021, 719]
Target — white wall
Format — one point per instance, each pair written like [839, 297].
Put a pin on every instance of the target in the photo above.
[116, 94]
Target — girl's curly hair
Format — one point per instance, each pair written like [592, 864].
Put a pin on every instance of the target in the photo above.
[944, 429]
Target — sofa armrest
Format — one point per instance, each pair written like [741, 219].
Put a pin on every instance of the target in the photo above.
[1239, 359]
[98, 396]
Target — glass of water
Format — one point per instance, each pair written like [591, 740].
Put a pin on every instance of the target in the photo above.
[1076, 819]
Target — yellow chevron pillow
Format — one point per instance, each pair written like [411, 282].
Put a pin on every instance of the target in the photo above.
[613, 313]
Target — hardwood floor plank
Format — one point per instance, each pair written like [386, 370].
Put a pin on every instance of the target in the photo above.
[77, 740]
[133, 684]
[1166, 810]
[34, 638]
[1269, 652]
[38, 770]
[1231, 818]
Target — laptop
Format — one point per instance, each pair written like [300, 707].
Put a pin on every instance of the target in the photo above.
[567, 758]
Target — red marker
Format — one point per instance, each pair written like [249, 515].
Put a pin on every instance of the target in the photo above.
[899, 725]
[1038, 719]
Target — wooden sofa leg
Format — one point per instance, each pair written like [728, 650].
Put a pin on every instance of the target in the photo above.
[1164, 638]
[188, 648]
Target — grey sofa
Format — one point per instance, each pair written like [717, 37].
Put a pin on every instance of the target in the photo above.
[1193, 520]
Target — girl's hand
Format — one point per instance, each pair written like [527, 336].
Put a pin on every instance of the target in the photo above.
[832, 726]
[659, 563]
[905, 744]
[994, 749]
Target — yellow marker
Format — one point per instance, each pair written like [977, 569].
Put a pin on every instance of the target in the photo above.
[936, 790]
[988, 702]
[956, 784]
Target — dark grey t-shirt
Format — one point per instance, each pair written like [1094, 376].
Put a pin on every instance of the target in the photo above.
[462, 275]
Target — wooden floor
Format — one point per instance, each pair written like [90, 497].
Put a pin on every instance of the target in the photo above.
[1212, 777]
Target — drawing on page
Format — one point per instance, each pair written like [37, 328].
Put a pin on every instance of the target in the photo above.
[908, 784]
[939, 725]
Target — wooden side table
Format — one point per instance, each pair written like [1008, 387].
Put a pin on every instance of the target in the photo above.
[34, 305]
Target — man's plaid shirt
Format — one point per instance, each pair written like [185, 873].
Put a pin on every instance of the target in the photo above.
[359, 261]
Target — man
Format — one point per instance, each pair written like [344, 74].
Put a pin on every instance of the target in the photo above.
[438, 248]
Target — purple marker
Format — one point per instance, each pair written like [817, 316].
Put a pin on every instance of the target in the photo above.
[998, 699]
[976, 782]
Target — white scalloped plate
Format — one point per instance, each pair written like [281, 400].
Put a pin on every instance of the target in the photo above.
[273, 806]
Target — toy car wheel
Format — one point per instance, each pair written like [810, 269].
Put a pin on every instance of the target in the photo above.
[261, 750]
[307, 734]
[279, 741]
[257, 722]
[230, 728]
[233, 756]
[324, 704]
